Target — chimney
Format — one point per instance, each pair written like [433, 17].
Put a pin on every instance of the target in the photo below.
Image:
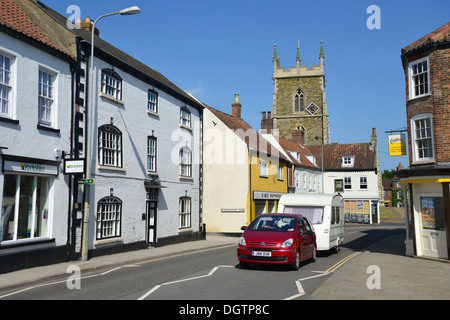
[267, 123]
[236, 107]
[400, 167]
[373, 139]
[87, 25]
[298, 136]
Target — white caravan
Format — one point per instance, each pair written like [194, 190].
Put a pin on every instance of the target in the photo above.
[324, 211]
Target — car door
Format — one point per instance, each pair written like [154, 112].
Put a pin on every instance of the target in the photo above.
[309, 237]
[302, 239]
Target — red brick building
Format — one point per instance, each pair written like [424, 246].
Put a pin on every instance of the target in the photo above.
[427, 82]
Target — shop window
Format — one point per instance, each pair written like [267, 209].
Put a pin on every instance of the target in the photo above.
[25, 207]
[109, 216]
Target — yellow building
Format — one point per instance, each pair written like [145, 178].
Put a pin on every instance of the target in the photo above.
[243, 175]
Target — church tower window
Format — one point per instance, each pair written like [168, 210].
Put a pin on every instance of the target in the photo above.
[299, 101]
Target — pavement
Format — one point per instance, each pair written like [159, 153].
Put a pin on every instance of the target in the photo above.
[395, 276]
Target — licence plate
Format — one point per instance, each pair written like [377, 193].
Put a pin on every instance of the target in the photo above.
[261, 253]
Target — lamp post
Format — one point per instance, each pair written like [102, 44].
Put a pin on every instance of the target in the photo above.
[90, 131]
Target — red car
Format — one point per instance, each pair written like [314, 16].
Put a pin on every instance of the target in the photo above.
[279, 239]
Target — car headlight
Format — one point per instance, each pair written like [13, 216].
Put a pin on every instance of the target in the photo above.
[287, 243]
[242, 242]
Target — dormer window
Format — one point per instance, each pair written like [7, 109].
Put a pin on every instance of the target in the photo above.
[348, 161]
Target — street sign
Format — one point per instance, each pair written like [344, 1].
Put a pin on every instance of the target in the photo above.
[86, 181]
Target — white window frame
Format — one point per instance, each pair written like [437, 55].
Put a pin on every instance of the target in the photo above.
[280, 173]
[347, 183]
[109, 218]
[6, 99]
[413, 77]
[348, 161]
[111, 84]
[363, 183]
[47, 97]
[184, 213]
[151, 153]
[109, 154]
[263, 169]
[185, 155]
[185, 117]
[152, 103]
[416, 141]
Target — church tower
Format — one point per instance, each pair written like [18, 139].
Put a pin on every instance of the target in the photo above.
[299, 110]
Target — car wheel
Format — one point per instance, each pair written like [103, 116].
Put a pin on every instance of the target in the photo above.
[314, 255]
[296, 264]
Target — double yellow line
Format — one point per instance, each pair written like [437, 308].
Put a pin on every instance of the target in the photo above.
[340, 263]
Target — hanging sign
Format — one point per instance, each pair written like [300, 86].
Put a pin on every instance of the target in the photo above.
[74, 166]
[397, 144]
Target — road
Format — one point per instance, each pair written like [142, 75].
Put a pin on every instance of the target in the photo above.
[212, 274]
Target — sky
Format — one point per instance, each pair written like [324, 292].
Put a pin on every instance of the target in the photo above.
[215, 49]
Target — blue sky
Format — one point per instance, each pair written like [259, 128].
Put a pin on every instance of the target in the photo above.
[215, 49]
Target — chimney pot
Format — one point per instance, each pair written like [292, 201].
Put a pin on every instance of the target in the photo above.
[264, 114]
[269, 115]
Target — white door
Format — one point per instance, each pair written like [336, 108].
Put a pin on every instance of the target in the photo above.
[433, 235]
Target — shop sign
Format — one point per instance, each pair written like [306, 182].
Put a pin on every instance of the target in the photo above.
[72, 166]
[29, 167]
[428, 214]
[397, 144]
[232, 210]
[261, 195]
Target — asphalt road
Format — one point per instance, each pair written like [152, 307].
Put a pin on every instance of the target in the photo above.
[209, 275]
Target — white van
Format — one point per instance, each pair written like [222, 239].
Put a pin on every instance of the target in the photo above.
[324, 211]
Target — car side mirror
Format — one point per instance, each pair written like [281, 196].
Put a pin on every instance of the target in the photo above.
[243, 228]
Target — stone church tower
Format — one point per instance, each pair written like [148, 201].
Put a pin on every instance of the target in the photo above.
[299, 110]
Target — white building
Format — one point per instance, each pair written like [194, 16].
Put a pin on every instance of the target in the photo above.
[35, 123]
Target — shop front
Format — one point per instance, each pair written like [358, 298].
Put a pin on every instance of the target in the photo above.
[361, 210]
[265, 202]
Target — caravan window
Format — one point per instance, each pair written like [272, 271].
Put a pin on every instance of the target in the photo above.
[313, 214]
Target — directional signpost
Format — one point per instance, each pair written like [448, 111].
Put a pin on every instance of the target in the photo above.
[86, 181]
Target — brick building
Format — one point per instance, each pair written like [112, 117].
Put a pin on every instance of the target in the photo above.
[427, 82]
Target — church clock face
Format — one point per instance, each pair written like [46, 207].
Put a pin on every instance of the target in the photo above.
[312, 108]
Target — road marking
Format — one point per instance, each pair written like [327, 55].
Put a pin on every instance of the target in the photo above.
[340, 263]
[300, 289]
[213, 270]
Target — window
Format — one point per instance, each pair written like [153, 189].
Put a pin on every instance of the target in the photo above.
[185, 117]
[23, 195]
[347, 183]
[363, 183]
[111, 84]
[46, 98]
[185, 213]
[280, 173]
[151, 154]
[5, 86]
[109, 215]
[152, 105]
[185, 162]
[419, 78]
[109, 146]
[348, 161]
[262, 169]
[299, 101]
[422, 131]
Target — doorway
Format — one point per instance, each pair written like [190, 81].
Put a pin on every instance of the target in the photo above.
[151, 213]
[432, 221]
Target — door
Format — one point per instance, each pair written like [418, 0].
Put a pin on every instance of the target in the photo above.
[306, 239]
[433, 237]
[151, 213]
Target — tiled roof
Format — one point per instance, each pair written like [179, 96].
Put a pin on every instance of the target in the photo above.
[290, 146]
[441, 34]
[15, 18]
[249, 135]
[364, 156]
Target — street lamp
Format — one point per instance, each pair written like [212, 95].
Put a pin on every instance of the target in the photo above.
[90, 129]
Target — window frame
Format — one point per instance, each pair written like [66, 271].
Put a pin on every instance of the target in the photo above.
[154, 155]
[9, 87]
[412, 77]
[118, 151]
[263, 169]
[348, 161]
[347, 183]
[104, 85]
[185, 169]
[117, 221]
[185, 217]
[152, 104]
[185, 117]
[362, 183]
[299, 101]
[43, 95]
[415, 140]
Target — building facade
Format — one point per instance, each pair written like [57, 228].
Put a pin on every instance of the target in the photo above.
[426, 66]
[35, 123]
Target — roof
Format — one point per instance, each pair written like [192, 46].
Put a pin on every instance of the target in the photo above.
[439, 35]
[245, 132]
[45, 25]
[290, 146]
[17, 16]
[364, 156]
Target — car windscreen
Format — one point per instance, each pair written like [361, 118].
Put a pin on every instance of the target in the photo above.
[313, 214]
[273, 223]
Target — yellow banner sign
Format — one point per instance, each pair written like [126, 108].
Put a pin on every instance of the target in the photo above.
[397, 144]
